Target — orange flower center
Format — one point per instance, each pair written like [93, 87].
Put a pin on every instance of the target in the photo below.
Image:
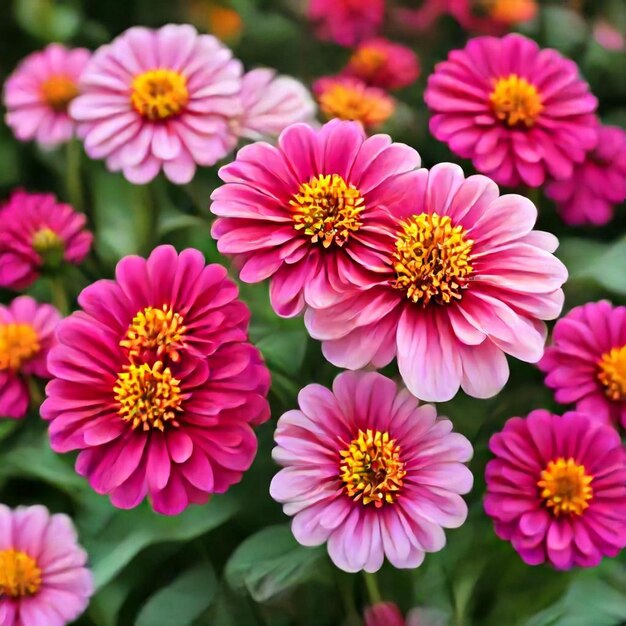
[565, 487]
[371, 469]
[510, 11]
[18, 343]
[432, 259]
[58, 91]
[224, 23]
[19, 574]
[366, 61]
[612, 373]
[327, 209]
[356, 102]
[515, 101]
[159, 94]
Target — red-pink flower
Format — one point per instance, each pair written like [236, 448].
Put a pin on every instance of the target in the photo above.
[557, 489]
[521, 114]
[306, 213]
[43, 573]
[370, 471]
[155, 382]
[26, 336]
[159, 99]
[383, 614]
[346, 22]
[39, 91]
[586, 363]
[596, 185]
[39, 233]
[467, 280]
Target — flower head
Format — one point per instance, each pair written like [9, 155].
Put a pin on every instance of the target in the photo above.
[556, 489]
[383, 614]
[467, 280]
[159, 99]
[520, 113]
[586, 363]
[38, 235]
[370, 471]
[38, 93]
[155, 382]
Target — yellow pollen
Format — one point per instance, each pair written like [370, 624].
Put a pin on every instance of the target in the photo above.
[366, 61]
[327, 209]
[431, 259]
[371, 469]
[515, 101]
[18, 343]
[565, 487]
[612, 373]
[356, 102]
[19, 574]
[46, 240]
[155, 329]
[148, 396]
[58, 91]
[159, 94]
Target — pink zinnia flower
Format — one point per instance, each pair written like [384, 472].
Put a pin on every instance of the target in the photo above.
[43, 573]
[383, 63]
[467, 280]
[39, 91]
[557, 489]
[520, 113]
[383, 614]
[156, 383]
[370, 471]
[586, 363]
[597, 184]
[26, 336]
[347, 22]
[159, 99]
[39, 233]
[307, 212]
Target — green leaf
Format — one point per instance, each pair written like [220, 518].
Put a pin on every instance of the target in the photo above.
[285, 350]
[50, 21]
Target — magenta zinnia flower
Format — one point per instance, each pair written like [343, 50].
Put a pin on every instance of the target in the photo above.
[26, 336]
[38, 93]
[586, 363]
[159, 99]
[466, 281]
[156, 383]
[597, 184]
[557, 489]
[307, 212]
[39, 233]
[520, 113]
[43, 573]
[370, 471]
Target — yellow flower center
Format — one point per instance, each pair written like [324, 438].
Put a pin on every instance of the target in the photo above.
[371, 469]
[148, 396]
[19, 574]
[18, 344]
[58, 91]
[355, 102]
[155, 329]
[327, 209]
[612, 373]
[515, 101]
[366, 61]
[49, 246]
[431, 259]
[565, 487]
[159, 94]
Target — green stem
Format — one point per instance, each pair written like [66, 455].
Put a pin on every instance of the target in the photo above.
[373, 591]
[146, 217]
[59, 294]
[35, 392]
[73, 179]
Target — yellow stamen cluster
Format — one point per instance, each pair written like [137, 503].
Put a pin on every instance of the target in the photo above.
[431, 259]
[515, 101]
[18, 343]
[159, 94]
[612, 373]
[565, 487]
[371, 469]
[327, 209]
[367, 60]
[58, 91]
[46, 240]
[19, 574]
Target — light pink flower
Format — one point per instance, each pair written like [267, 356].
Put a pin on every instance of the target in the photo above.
[306, 213]
[468, 280]
[370, 472]
[26, 336]
[608, 36]
[39, 91]
[521, 114]
[597, 184]
[43, 573]
[159, 99]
